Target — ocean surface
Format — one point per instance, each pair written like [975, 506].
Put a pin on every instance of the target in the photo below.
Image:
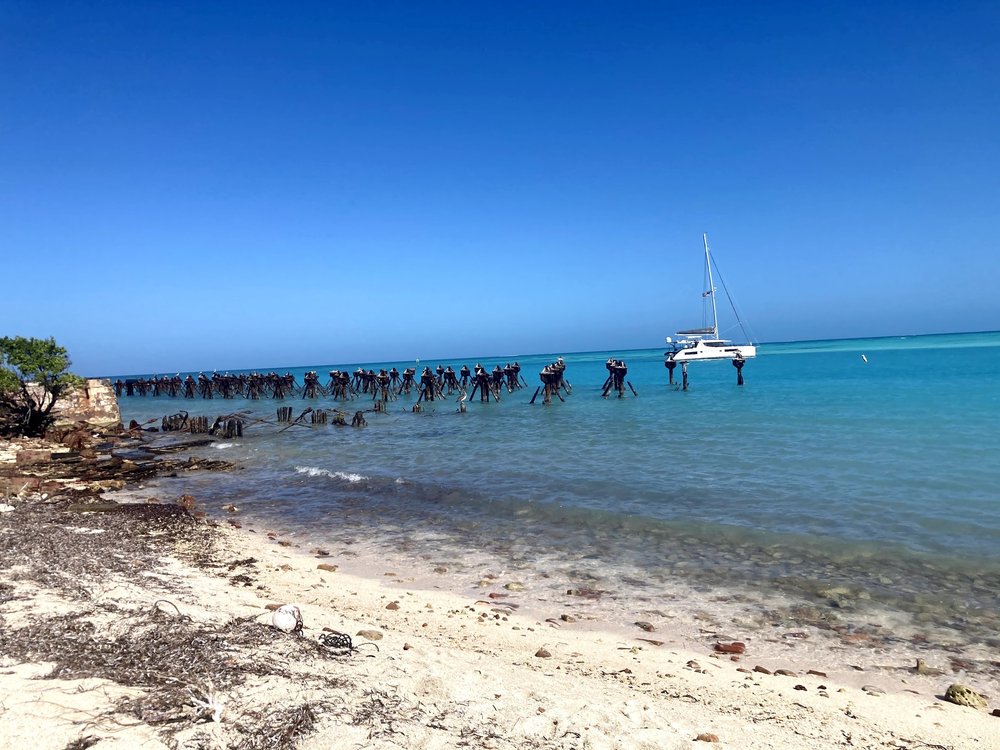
[829, 492]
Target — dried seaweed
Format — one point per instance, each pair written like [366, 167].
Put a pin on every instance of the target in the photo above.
[280, 728]
[82, 743]
[64, 547]
[380, 711]
[75, 544]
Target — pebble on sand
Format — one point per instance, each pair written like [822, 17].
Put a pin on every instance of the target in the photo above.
[707, 737]
[543, 653]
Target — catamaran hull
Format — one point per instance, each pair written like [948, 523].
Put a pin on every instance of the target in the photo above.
[703, 353]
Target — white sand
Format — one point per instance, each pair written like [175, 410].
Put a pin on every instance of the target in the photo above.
[461, 672]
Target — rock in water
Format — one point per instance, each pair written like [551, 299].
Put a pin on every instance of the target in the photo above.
[964, 696]
[922, 668]
[287, 618]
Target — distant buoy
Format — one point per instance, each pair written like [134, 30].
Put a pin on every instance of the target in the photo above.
[864, 359]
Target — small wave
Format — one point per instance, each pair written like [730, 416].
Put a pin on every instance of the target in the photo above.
[223, 446]
[314, 471]
[400, 480]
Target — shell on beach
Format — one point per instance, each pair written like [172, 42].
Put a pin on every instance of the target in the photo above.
[287, 618]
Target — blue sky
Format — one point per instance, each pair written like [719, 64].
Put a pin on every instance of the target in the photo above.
[201, 185]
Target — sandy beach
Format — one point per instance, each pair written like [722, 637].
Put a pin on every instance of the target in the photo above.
[150, 625]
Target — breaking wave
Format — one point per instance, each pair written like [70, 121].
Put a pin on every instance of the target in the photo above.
[314, 471]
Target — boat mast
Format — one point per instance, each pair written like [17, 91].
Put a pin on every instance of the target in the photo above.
[711, 287]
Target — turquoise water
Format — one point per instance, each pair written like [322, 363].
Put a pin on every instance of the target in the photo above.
[882, 477]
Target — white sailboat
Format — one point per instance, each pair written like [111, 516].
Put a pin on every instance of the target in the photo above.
[698, 344]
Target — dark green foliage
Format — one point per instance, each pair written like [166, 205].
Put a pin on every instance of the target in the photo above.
[34, 375]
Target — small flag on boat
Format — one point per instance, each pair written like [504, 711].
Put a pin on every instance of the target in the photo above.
[707, 294]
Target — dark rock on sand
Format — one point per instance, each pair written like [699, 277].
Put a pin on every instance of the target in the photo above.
[736, 647]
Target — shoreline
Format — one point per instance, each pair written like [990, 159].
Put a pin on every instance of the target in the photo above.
[834, 626]
[854, 647]
[450, 670]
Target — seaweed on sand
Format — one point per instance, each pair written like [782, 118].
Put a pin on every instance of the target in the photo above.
[178, 663]
[380, 711]
[279, 728]
[66, 546]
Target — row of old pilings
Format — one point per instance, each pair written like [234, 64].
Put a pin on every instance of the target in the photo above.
[252, 386]
[315, 416]
[198, 425]
[487, 384]
[228, 426]
[175, 422]
[385, 385]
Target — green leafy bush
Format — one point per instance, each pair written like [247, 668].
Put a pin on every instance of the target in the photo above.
[34, 375]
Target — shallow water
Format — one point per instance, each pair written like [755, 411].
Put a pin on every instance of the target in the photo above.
[826, 490]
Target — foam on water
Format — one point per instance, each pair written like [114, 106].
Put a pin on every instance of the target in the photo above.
[314, 471]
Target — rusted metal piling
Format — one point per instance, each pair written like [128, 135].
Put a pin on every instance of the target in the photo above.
[553, 380]
[738, 363]
[617, 370]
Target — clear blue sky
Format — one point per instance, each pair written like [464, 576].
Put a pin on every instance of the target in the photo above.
[214, 184]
